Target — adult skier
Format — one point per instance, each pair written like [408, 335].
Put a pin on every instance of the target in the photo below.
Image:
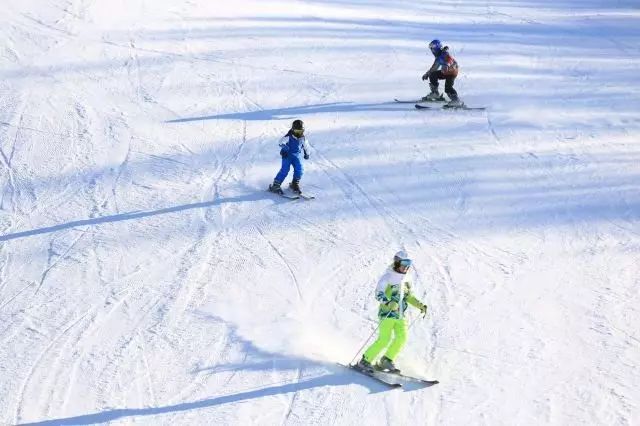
[394, 294]
[292, 145]
[444, 68]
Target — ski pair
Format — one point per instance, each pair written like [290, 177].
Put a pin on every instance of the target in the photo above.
[294, 197]
[419, 104]
[417, 101]
[393, 380]
[462, 107]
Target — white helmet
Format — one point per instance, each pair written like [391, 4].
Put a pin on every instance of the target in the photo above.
[401, 262]
[400, 255]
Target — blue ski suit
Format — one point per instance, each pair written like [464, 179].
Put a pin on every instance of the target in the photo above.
[290, 149]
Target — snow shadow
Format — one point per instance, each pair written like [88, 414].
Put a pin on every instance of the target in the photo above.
[333, 376]
[141, 214]
[332, 379]
[523, 35]
[572, 29]
[292, 112]
[592, 5]
[545, 185]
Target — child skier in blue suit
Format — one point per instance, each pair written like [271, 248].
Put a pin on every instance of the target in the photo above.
[292, 145]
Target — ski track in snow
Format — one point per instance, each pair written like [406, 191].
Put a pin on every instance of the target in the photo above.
[222, 303]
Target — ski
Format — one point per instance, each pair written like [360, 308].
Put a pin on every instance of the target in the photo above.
[400, 101]
[401, 376]
[307, 196]
[465, 108]
[284, 195]
[289, 197]
[415, 101]
[374, 375]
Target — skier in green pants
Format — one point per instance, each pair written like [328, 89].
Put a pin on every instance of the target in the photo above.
[394, 293]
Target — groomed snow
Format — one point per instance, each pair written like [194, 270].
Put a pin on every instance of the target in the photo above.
[147, 277]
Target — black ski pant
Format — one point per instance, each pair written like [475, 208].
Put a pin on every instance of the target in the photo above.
[448, 83]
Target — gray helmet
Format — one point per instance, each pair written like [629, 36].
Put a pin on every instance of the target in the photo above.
[401, 262]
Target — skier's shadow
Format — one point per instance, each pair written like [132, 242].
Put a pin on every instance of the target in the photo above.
[138, 215]
[335, 376]
[340, 377]
[291, 112]
[334, 379]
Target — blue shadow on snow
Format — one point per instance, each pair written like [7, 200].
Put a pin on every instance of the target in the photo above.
[290, 112]
[337, 376]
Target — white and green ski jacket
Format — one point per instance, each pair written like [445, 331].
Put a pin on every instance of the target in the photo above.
[395, 287]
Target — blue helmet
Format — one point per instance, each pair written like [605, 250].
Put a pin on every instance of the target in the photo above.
[435, 46]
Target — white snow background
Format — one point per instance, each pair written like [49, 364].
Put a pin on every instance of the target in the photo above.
[147, 277]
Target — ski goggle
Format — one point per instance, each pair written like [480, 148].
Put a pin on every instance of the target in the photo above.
[298, 132]
[403, 265]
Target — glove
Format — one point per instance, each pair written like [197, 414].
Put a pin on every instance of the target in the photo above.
[423, 310]
[425, 76]
[393, 306]
[306, 156]
[283, 153]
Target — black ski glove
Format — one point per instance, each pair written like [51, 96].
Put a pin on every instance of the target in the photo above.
[306, 156]
[423, 310]
[425, 76]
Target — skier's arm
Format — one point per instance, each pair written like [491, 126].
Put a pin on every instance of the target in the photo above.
[388, 299]
[384, 292]
[414, 301]
[433, 68]
[305, 148]
[284, 148]
[282, 143]
[385, 296]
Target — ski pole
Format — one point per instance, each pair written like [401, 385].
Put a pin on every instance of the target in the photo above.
[413, 322]
[423, 316]
[369, 338]
[365, 343]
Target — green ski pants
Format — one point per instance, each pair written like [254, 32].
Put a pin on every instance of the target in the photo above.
[388, 326]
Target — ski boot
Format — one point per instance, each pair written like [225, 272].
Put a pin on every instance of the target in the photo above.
[455, 102]
[364, 365]
[295, 186]
[275, 187]
[386, 364]
[434, 96]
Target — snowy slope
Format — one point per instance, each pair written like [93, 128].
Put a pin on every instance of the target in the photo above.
[147, 277]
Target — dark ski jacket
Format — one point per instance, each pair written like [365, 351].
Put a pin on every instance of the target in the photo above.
[445, 63]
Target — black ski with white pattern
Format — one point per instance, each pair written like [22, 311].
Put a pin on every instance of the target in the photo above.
[415, 101]
[401, 376]
[445, 107]
[374, 375]
[284, 195]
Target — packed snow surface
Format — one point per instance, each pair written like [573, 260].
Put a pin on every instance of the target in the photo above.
[147, 277]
